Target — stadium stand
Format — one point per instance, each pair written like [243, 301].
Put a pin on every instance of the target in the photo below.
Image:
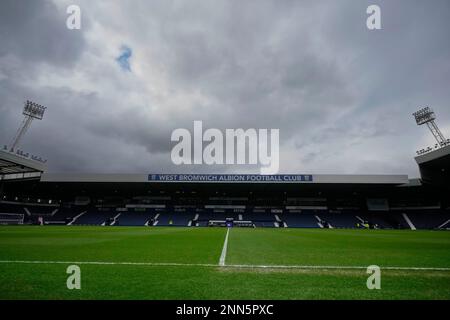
[340, 219]
[411, 218]
[62, 216]
[301, 219]
[260, 217]
[9, 207]
[174, 219]
[210, 214]
[380, 220]
[311, 201]
[171, 217]
[431, 219]
[35, 210]
[135, 218]
[11, 218]
[94, 216]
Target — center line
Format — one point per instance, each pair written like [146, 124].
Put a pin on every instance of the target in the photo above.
[224, 250]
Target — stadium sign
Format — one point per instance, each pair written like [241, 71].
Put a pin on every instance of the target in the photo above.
[224, 178]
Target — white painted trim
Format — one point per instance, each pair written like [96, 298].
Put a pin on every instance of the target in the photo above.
[27, 211]
[75, 218]
[444, 224]
[408, 221]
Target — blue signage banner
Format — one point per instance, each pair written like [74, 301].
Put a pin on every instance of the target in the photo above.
[223, 178]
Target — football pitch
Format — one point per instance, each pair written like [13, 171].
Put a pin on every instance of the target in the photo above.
[205, 263]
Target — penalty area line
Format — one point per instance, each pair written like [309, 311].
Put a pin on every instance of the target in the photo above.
[237, 266]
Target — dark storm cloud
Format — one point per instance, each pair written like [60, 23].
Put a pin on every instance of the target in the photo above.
[341, 95]
[262, 65]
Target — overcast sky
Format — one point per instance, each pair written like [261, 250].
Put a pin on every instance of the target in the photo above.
[341, 95]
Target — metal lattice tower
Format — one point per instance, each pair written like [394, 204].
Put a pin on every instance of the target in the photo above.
[31, 111]
[427, 116]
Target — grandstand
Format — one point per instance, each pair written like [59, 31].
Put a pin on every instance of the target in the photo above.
[323, 201]
[29, 195]
[11, 218]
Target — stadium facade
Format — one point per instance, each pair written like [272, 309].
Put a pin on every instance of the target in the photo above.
[29, 195]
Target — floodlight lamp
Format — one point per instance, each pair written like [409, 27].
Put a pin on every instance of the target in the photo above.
[34, 110]
[424, 115]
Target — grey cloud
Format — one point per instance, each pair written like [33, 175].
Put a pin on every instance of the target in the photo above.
[35, 31]
[342, 94]
[257, 66]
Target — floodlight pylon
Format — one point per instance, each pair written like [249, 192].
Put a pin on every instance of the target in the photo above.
[31, 111]
[427, 116]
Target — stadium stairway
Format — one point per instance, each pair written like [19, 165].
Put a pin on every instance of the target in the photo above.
[76, 217]
[63, 216]
[445, 225]
[408, 221]
[93, 217]
[115, 219]
[429, 219]
[320, 222]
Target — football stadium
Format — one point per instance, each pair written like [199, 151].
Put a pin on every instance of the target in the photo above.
[224, 158]
[224, 236]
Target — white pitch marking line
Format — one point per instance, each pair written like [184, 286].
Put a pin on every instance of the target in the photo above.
[249, 266]
[224, 250]
[332, 267]
[162, 264]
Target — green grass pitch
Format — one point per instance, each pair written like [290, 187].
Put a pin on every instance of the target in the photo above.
[183, 263]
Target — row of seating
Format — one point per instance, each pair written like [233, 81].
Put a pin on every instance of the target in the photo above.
[420, 219]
